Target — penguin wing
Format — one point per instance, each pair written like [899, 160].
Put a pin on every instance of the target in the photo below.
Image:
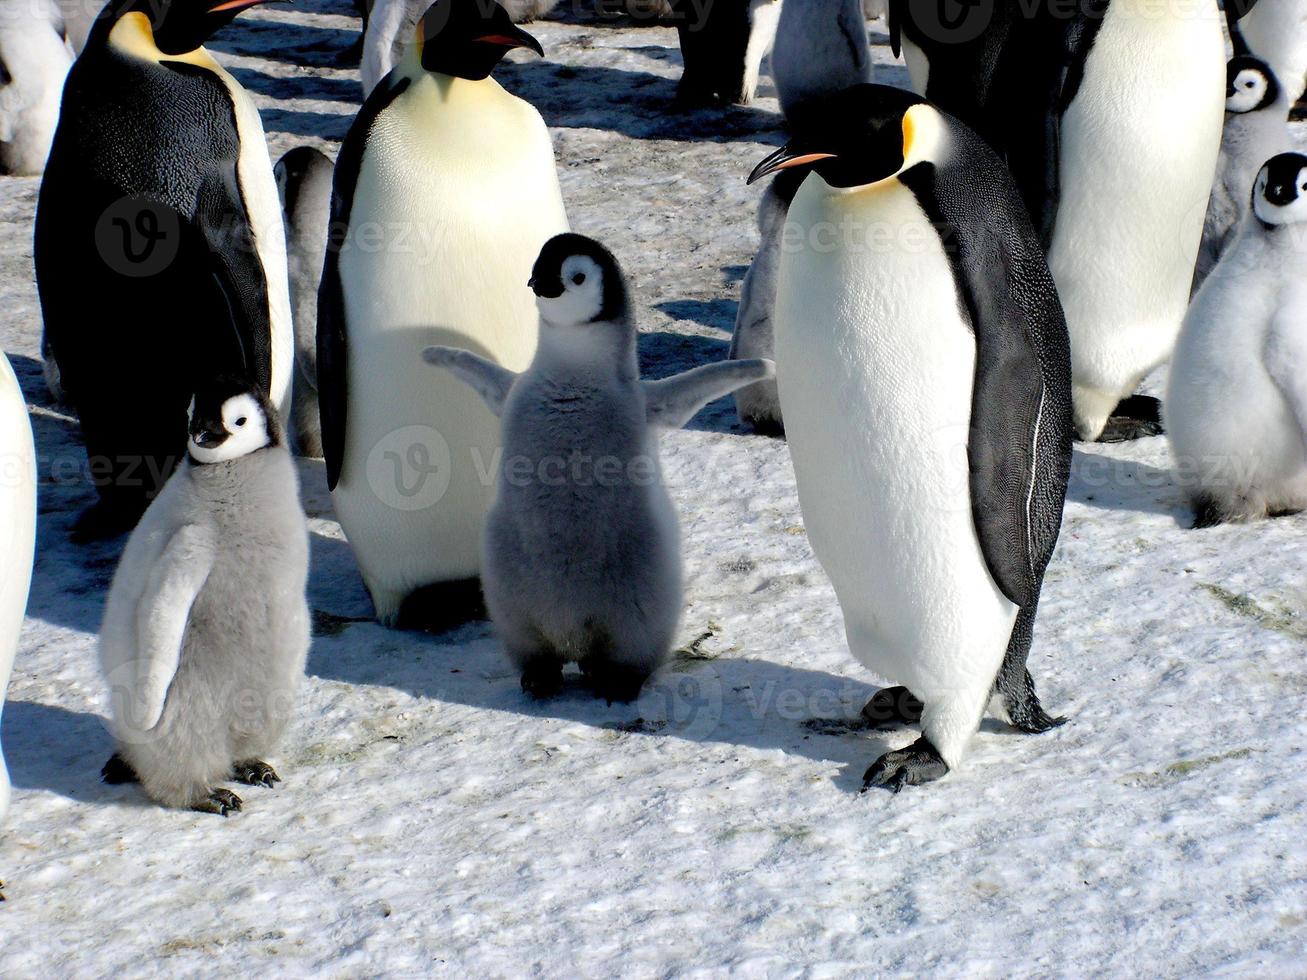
[672, 402]
[1019, 440]
[333, 335]
[163, 613]
[1286, 353]
[483, 376]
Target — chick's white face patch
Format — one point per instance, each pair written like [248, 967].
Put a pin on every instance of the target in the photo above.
[245, 428]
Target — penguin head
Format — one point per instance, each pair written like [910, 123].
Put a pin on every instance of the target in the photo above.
[180, 26]
[468, 38]
[1280, 192]
[578, 284]
[860, 137]
[1249, 84]
[230, 418]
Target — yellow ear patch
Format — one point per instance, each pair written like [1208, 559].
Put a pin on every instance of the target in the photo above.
[909, 132]
[133, 35]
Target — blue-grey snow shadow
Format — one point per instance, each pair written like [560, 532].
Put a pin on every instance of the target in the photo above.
[633, 103]
[1111, 483]
[731, 701]
[312, 46]
[298, 86]
[51, 748]
[320, 124]
[663, 353]
[69, 581]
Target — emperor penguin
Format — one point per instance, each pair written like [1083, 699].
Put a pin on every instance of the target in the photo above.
[820, 48]
[1256, 128]
[304, 177]
[1109, 117]
[206, 627]
[1236, 399]
[581, 553]
[17, 532]
[723, 43]
[924, 376]
[390, 25]
[457, 178]
[1276, 32]
[159, 250]
[34, 61]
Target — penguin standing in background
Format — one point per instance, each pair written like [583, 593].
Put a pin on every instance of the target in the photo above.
[1256, 128]
[582, 553]
[17, 532]
[159, 250]
[34, 61]
[389, 28]
[923, 373]
[1236, 399]
[723, 44]
[443, 156]
[820, 49]
[206, 628]
[1276, 32]
[304, 185]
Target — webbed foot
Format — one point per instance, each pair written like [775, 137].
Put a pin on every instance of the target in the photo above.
[918, 763]
[253, 772]
[221, 802]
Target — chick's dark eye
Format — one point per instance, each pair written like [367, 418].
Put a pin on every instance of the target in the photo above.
[241, 421]
[579, 278]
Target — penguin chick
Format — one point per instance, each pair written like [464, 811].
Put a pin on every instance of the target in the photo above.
[1236, 406]
[34, 60]
[304, 185]
[206, 628]
[1256, 128]
[581, 550]
[820, 49]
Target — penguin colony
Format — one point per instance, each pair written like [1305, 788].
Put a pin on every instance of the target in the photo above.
[1066, 181]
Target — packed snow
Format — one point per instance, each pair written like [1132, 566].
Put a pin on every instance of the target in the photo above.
[433, 819]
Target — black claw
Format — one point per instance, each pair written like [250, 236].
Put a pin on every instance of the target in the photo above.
[220, 801]
[253, 772]
[918, 763]
[117, 771]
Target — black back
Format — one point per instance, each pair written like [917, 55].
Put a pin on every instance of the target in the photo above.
[333, 334]
[148, 278]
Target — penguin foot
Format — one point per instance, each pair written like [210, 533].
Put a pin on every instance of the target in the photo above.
[1136, 417]
[918, 763]
[772, 428]
[1206, 513]
[442, 606]
[542, 677]
[611, 681]
[117, 771]
[252, 772]
[220, 801]
[105, 520]
[1024, 712]
[892, 706]
[1290, 512]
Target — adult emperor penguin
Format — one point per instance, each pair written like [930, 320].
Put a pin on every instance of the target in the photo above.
[582, 553]
[17, 531]
[923, 372]
[443, 156]
[304, 177]
[723, 43]
[1236, 400]
[34, 61]
[820, 49]
[1276, 32]
[1256, 128]
[390, 25]
[160, 255]
[1109, 117]
[206, 627]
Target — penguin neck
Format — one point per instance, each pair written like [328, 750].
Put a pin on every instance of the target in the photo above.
[446, 88]
[597, 353]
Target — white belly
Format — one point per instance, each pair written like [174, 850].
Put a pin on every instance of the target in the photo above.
[875, 367]
[1139, 151]
[453, 204]
[17, 530]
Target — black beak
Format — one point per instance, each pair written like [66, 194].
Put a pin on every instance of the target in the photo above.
[784, 158]
[207, 437]
[515, 37]
[547, 288]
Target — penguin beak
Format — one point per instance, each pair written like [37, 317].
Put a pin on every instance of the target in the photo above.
[208, 436]
[783, 159]
[516, 38]
[234, 6]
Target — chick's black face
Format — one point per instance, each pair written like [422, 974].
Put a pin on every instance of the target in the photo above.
[229, 411]
[583, 277]
[852, 139]
[468, 38]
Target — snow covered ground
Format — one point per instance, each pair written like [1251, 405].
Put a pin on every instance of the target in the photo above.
[433, 819]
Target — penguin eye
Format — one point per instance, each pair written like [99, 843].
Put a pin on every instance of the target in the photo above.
[240, 422]
[579, 278]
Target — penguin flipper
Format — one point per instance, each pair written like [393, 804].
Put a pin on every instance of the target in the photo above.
[672, 402]
[1286, 353]
[162, 616]
[483, 376]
